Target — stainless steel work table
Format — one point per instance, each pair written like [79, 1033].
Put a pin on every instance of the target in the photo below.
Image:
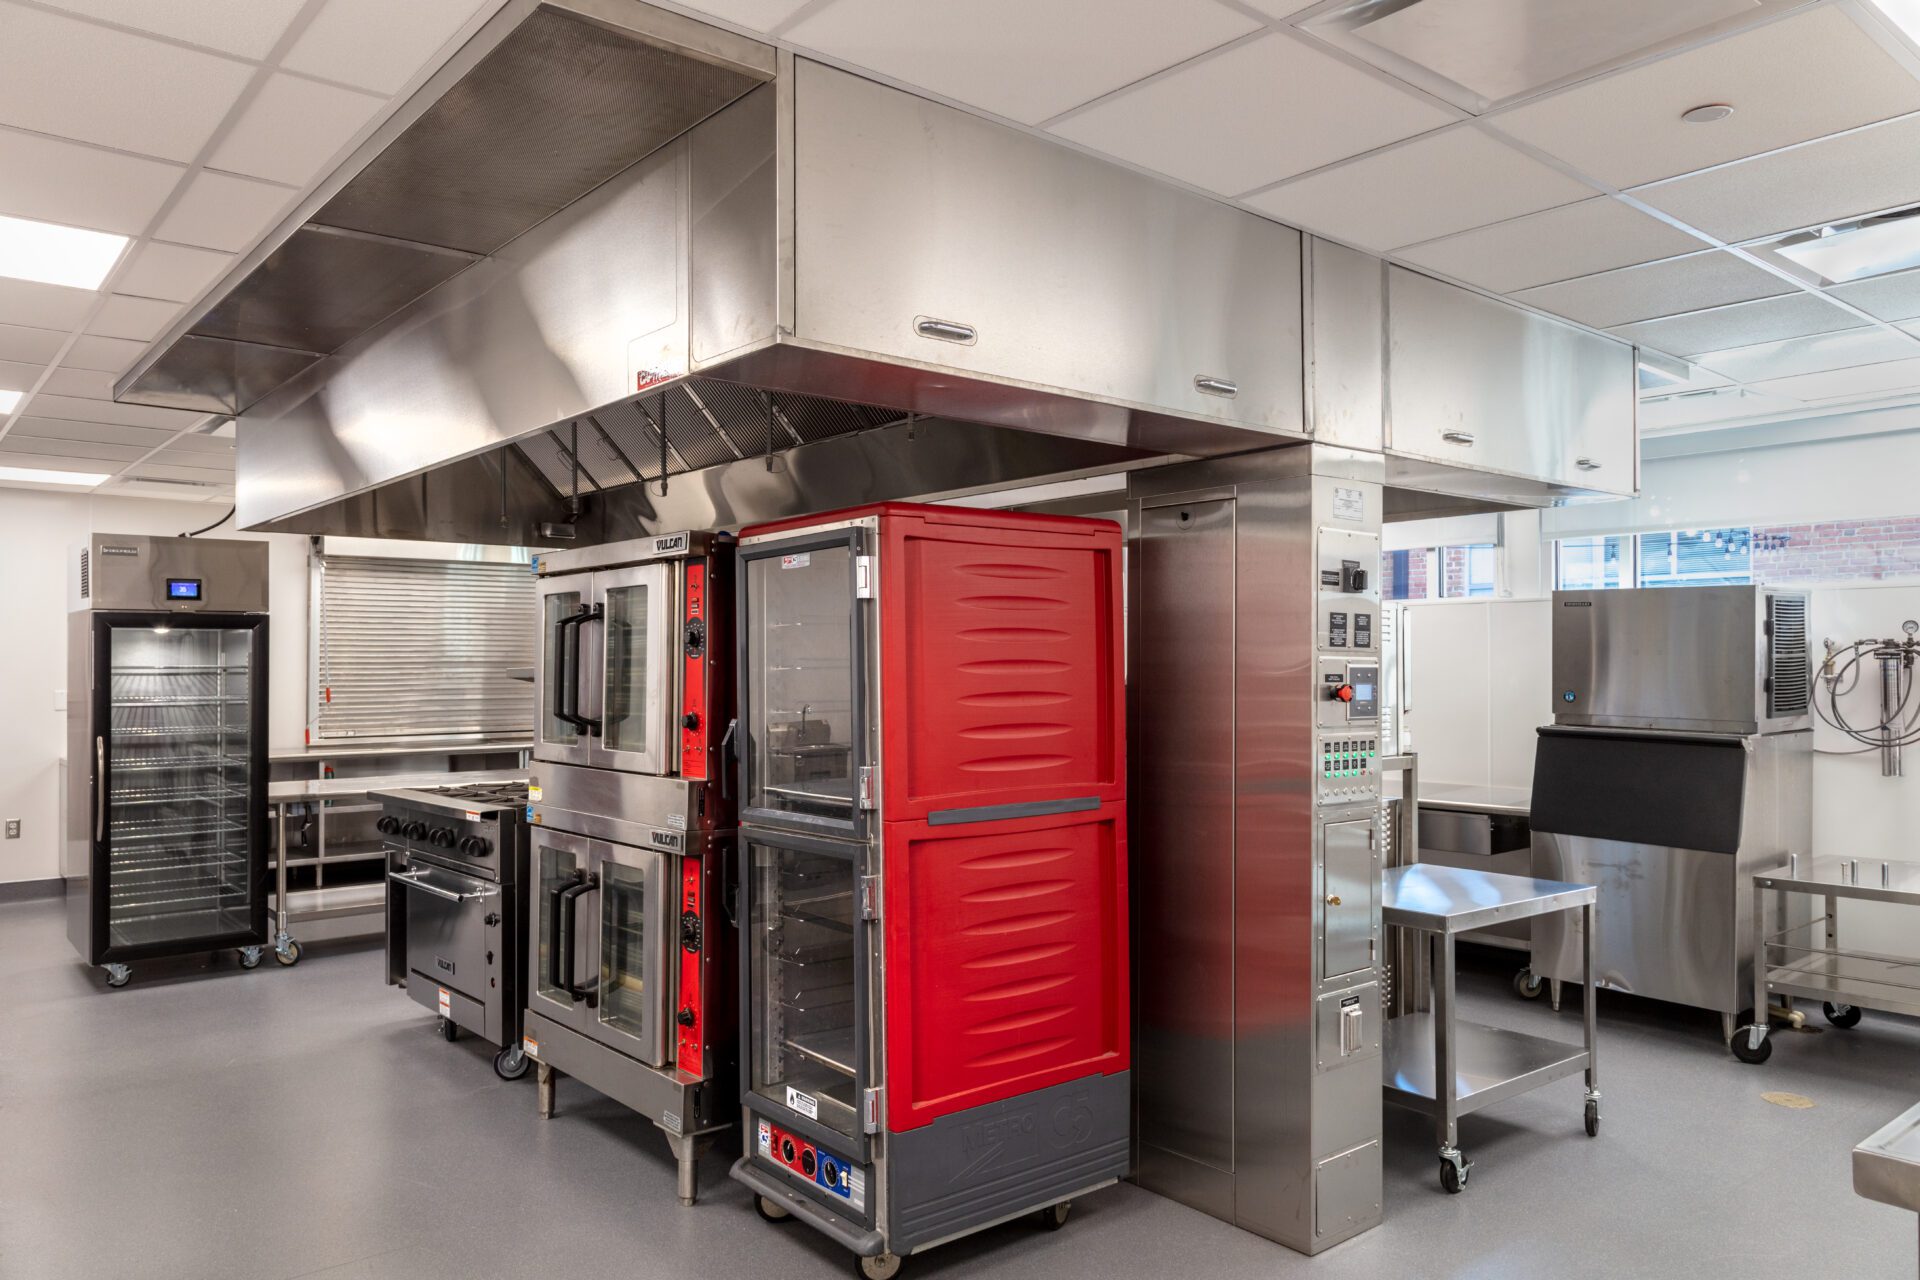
[1843, 981]
[326, 795]
[1886, 1167]
[1446, 1068]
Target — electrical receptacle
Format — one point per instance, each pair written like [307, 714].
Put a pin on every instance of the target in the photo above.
[13, 828]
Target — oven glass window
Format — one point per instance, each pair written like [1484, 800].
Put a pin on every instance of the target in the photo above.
[803, 983]
[561, 604]
[557, 870]
[623, 949]
[625, 722]
[800, 670]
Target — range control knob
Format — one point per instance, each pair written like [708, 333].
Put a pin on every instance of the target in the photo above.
[414, 830]
[387, 825]
[1340, 693]
[474, 846]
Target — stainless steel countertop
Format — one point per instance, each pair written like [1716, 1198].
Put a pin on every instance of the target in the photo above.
[1886, 1167]
[1870, 879]
[335, 788]
[1454, 899]
[1462, 797]
[414, 747]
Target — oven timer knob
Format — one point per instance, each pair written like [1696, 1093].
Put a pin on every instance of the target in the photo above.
[696, 638]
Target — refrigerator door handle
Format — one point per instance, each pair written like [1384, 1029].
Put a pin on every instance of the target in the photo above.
[99, 788]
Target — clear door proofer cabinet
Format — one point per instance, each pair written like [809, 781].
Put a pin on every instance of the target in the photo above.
[933, 872]
[165, 850]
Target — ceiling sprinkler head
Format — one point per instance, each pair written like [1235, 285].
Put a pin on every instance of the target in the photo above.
[1707, 114]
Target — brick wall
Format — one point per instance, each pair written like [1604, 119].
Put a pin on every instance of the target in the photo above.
[1454, 579]
[1415, 587]
[1838, 550]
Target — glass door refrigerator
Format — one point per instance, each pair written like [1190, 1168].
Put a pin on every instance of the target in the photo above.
[165, 848]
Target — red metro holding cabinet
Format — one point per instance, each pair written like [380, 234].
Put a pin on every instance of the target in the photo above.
[934, 876]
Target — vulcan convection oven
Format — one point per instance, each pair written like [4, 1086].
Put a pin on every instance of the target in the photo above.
[166, 844]
[934, 947]
[630, 977]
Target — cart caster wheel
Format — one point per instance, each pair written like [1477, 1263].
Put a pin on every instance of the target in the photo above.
[1528, 985]
[449, 1030]
[1054, 1216]
[249, 957]
[1743, 1047]
[118, 975]
[884, 1267]
[770, 1211]
[288, 955]
[1842, 1015]
[1453, 1175]
[511, 1063]
[1593, 1119]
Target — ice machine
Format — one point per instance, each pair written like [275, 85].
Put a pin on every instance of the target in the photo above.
[934, 873]
[166, 841]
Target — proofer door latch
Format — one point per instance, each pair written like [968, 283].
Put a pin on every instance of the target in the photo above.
[1352, 1014]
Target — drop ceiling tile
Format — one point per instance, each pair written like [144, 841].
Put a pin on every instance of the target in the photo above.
[1663, 288]
[21, 344]
[194, 460]
[132, 415]
[166, 471]
[221, 447]
[122, 487]
[1580, 239]
[16, 376]
[1267, 110]
[1024, 60]
[1793, 315]
[1789, 81]
[80, 186]
[1732, 404]
[335, 46]
[117, 454]
[246, 27]
[1889, 297]
[74, 79]
[1281, 8]
[1441, 183]
[292, 129]
[43, 306]
[1826, 181]
[220, 211]
[10, 457]
[110, 355]
[1847, 384]
[82, 384]
[1813, 354]
[140, 319]
[144, 438]
[761, 15]
[172, 271]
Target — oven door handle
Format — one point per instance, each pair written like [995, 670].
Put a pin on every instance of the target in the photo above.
[565, 909]
[566, 671]
[585, 724]
[418, 880]
[728, 758]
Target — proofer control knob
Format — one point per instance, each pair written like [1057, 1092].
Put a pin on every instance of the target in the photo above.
[1340, 693]
[387, 825]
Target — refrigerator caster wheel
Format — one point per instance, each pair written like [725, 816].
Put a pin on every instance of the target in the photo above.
[449, 1030]
[288, 955]
[1528, 985]
[249, 957]
[771, 1211]
[1453, 1173]
[1593, 1119]
[511, 1063]
[884, 1267]
[1842, 1015]
[1746, 1050]
[1054, 1216]
[118, 975]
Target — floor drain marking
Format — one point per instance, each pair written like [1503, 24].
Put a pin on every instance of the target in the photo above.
[1792, 1101]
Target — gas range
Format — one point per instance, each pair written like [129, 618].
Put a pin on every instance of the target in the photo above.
[470, 826]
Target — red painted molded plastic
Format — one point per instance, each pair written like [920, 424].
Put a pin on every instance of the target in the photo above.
[1006, 948]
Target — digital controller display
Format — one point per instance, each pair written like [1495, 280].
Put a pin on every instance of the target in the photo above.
[183, 588]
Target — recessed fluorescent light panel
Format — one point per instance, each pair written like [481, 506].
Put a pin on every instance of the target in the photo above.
[9, 401]
[1904, 14]
[50, 254]
[34, 475]
[1854, 250]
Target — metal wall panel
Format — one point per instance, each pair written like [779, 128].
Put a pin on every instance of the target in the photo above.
[422, 648]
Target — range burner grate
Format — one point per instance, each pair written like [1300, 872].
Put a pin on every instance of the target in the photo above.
[505, 795]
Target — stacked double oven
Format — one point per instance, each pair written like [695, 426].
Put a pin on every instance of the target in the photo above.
[630, 983]
[933, 830]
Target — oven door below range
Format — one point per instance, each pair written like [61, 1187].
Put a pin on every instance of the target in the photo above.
[449, 942]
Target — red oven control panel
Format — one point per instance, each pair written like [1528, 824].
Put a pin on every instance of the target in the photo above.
[693, 699]
[688, 1010]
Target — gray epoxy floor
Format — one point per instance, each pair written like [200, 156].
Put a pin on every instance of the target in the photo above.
[207, 1123]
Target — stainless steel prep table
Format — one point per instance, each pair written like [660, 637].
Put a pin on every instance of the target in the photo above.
[1443, 1067]
[1886, 1167]
[1843, 981]
[329, 795]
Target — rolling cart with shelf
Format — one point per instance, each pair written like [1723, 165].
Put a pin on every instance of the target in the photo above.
[1446, 1068]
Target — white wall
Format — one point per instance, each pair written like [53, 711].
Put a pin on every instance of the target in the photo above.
[1479, 677]
[38, 532]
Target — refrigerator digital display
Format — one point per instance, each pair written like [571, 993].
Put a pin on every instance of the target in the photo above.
[183, 588]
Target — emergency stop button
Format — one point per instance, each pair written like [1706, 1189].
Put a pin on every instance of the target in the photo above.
[1340, 693]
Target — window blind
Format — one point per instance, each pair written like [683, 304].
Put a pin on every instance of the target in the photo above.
[422, 648]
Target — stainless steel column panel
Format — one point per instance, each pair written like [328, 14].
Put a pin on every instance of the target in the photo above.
[1346, 351]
